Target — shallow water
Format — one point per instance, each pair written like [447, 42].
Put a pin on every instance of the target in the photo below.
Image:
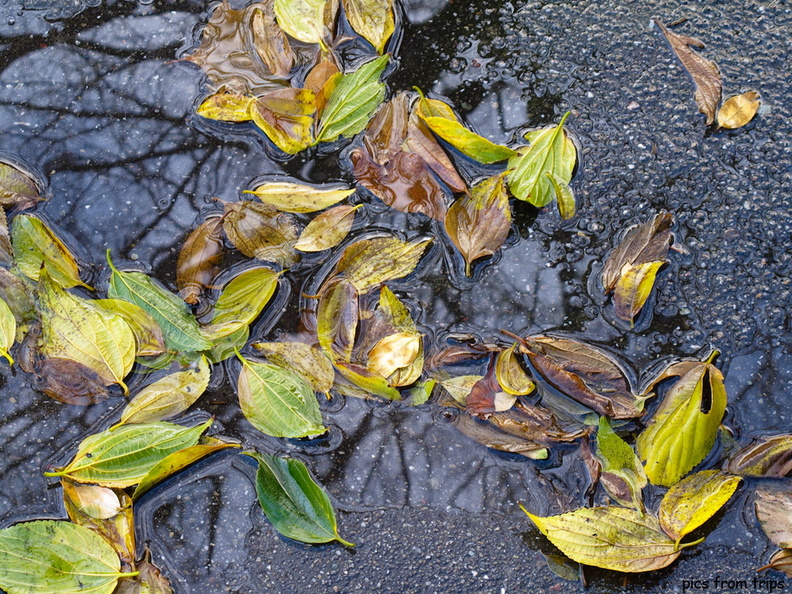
[95, 105]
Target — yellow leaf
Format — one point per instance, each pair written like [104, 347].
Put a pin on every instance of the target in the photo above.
[328, 229]
[511, 376]
[309, 362]
[8, 328]
[286, 117]
[371, 262]
[302, 19]
[468, 142]
[299, 198]
[394, 352]
[634, 287]
[738, 110]
[226, 107]
[371, 19]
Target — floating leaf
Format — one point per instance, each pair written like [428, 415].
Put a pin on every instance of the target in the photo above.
[93, 501]
[148, 581]
[73, 328]
[620, 462]
[226, 107]
[487, 397]
[633, 288]
[354, 98]
[550, 151]
[299, 198]
[303, 359]
[296, 506]
[199, 259]
[328, 229]
[6, 250]
[179, 327]
[36, 247]
[704, 72]
[371, 19]
[18, 188]
[394, 352]
[302, 19]
[585, 374]
[774, 512]
[738, 110]
[694, 500]
[510, 374]
[369, 383]
[69, 381]
[565, 198]
[148, 334]
[337, 318]
[228, 345]
[286, 117]
[780, 561]
[370, 262]
[769, 456]
[478, 223]
[490, 437]
[460, 387]
[468, 142]
[422, 142]
[270, 41]
[121, 457]
[169, 396]
[242, 301]
[683, 429]
[53, 556]
[260, 231]
[615, 538]
[8, 328]
[277, 401]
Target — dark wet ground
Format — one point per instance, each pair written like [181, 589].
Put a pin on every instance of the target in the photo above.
[92, 104]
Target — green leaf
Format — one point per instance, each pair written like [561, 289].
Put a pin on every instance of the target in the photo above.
[242, 300]
[73, 328]
[121, 457]
[296, 506]
[694, 500]
[354, 98]
[37, 247]
[50, 557]
[619, 459]
[299, 198]
[371, 19]
[328, 229]
[169, 396]
[468, 142]
[615, 538]
[370, 262]
[683, 429]
[551, 151]
[302, 19]
[8, 328]
[277, 401]
[179, 327]
[371, 384]
[229, 345]
[303, 359]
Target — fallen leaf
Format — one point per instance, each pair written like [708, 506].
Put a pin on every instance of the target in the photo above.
[299, 198]
[371, 19]
[337, 319]
[365, 383]
[270, 41]
[199, 259]
[8, 328]
[633, 288]
[510, 374]
[565, 198]
[310, 363]
[738, 110]
[328, 229]
[69, 381]
[18, 188]
[774, 512]
[394, 352]
[490, 437]
[261, 231]
[286, 117]
[148, 581]
[460, 387]
[226, 107]
[780, 561]
[704, 72]
[619, 460]
[486, 397]
[148, 335]
[6, 249]
[768, 456]
[302, 19]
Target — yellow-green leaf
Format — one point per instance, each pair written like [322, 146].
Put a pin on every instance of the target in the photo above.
[550, 150]
[459, 387]
[619, 459]
[328, 229]
[17, 188]
[228, 345]
[367, 382]
[241, 301]
[615, 538]
[299, 198]
[394, 352]
[148, 334]
[226, 107]
[633, 288]
[309, 362]
[565, 197]
[694, 500]
[8, 328]
[468, 142]
[738, 110]
[302, 19]
[370, 262]
[286, 117]
[169, 396]
[371, 19]
[510, 374]
[337, 319]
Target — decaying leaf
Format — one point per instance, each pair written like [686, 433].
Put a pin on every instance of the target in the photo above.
[6, 249]
[148, 581]
[261, 231]
[478, 223]
[226, 107]
[337, 319]
[534, 423]
[270, 41]
[286, 117]
[299, 198]
[769, 456]
[310, 363]
[780, 561]
[683, 429]
[704, 72]
[550, 151]
[510, 374]
[394, 352]
[487, 396]
[633, 289]
[738, 110]
[302, 19]
[148, 334]
[18, 295]
[8, 329]
[328, 229]
[488, 436]
[199, 259]
[620, 467]
[460, 387]
[371, 19]
[17, 188]
[615, 538]
[774, 512]
[361, 383]
[694, 500]
[69, 381]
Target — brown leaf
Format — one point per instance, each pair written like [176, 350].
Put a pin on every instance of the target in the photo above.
[337, 318]
[421, 141]
[487, 397]
[317, 78]
[478, 223]
[271, 43]
[149, 581]
[69, 382]
[780, 561]
[583, 373]
[738, 110]
[199, 259]
[490, 437]
[769, 457]
[6, 251]
[774, 512]
[17, 188]
[704, 72]
[534, 423]
[261, 231]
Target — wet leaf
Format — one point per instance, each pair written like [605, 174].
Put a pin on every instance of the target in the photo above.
[683, 429]
[178, 461]
[169, 396]
[510, 374]
[199, 259]
[694, 500]
[774, 512]
[303, 359]
[371, 19]
[394, 352]
[17, 292]
[295, 505]
[227, 346]
[286, 117]
[619, 459]
[615, 538]
[550, 151]
[490, 437]
[242, 301]
[73, 328]
[354, 98]
[318, 77]
[36, 247]
[149, 580]
[780, 561]
[302, 19]
[337, 319]
[262, 232]
[17, 188]
[299, 198]
[55, 556]
[704, 72]
[459, 387]
[769, 456]
[270, 41]
[226, 107]
[8, 329]
[585, 374]
[738, 110]
[277, 401]
[421, 141]
[121, 457]
[328, 229]
[368, 383]
[487, 397]
[565, 198]
[370, 262]
[6, 250]
[534, 423]
[633, 289]
[148, 334]
[68, 381]
[468, 142]
[478, 223]
[180, 329]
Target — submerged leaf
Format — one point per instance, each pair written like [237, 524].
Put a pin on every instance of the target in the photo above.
[370, 262]
[704, 72]
[226, 107]
[18, 188]
[769, 456]
[774, 512]
[286, 117]
[738, 110]
[493, 438]
[296, 506]
[299, 198]
[8, 328]
[262, 232]
[337, 318]
[303, 359]
[199, 259]
[371, 19]
[270, 41]
[619, 460]
[242, 301]
[69, 381]
[302, 19]
[328, 229]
